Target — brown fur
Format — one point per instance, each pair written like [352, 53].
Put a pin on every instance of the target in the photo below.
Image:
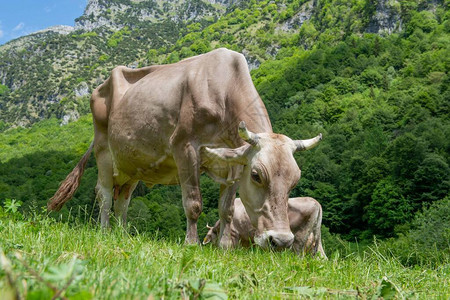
[69, 186]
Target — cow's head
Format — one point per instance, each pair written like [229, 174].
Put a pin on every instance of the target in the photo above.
[270, 173]
[211, 236]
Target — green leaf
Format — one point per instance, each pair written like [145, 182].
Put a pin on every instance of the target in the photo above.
[201, 289]
[65, 271]
[213, 291]
[308, 291]
[81, 295]
[244, 279]
[386, 290]
[43, 293]
[196, 285]
[12, 205]
[187, 259]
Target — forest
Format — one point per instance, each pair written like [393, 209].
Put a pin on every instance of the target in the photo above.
[380, 100]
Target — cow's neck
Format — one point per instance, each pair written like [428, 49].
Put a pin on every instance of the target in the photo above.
[254, 115]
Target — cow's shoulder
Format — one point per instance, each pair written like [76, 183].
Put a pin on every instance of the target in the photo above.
[233, 58]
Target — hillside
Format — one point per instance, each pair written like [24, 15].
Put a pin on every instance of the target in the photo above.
[52, 72]
[371, 75]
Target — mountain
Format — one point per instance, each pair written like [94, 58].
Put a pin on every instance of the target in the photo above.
[52, 72]
[46, 74]
[117, 14]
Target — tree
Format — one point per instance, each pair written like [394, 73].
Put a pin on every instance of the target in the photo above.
[432, 179]
[388, 208]
[3, 89]
[406, 153]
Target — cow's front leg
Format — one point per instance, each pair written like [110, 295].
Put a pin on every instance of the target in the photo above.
[226, 211]
[187, 160]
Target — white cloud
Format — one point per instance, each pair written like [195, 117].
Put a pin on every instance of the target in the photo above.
[19, 26]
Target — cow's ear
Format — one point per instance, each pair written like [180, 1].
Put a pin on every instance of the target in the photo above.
[229, 155]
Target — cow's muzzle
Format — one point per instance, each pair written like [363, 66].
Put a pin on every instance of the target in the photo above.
[275, 240]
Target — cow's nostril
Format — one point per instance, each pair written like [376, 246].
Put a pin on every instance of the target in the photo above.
[280, 241]
[272, 242]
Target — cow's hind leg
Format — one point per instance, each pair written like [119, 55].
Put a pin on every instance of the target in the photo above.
[122, 200]
[104, 198]
[104, 188]
[318, 235]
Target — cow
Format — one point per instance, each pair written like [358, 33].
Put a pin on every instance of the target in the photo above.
[168, 124]
[305, 220]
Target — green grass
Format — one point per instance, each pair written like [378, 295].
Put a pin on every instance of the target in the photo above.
[115, 265]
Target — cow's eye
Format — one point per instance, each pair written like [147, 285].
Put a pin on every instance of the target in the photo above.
[255, 176]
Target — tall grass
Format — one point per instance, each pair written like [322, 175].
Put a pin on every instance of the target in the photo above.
[80, 261]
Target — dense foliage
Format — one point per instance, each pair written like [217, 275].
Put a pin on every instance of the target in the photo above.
[381, 101]
[385, 153]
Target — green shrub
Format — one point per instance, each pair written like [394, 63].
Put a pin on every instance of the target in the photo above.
[431, 228]
[428, 241]
[3, 89]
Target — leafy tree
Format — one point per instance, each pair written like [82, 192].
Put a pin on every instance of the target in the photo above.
[431, 179]
[406, 153]
[3, 89]
[388, 208]
[431, 226]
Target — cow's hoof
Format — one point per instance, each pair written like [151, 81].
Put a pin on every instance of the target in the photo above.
[191, 241]
[225, 244]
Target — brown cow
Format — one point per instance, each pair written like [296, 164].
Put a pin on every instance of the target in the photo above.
[166, 124]
[305, 219]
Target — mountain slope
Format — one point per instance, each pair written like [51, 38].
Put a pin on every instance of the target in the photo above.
[52, 72]
[46, 74]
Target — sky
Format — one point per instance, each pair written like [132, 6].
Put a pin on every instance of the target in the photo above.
[22, 17]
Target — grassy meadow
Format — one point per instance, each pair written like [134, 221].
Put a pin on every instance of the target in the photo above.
[382, 169]
[46, 259]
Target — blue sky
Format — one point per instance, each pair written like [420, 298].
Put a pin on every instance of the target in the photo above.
[22, 17]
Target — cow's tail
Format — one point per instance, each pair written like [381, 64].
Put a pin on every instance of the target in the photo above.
[318, 249]
[69, 186]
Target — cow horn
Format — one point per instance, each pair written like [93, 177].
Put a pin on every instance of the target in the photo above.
[209, 227]
[246, 135]
[301, 145]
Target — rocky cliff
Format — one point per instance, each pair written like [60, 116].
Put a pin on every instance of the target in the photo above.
[52, 72]
[43, 72]
[117, 14]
